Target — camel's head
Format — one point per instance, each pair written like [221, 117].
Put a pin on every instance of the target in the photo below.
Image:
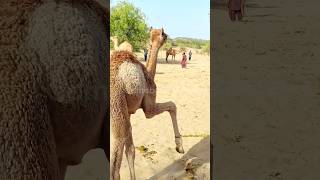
[236, 9]
[157, 37]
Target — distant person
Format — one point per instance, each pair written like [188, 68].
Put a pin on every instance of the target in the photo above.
[236, 9]
[184, 60]
[190, 54]
[145, 54]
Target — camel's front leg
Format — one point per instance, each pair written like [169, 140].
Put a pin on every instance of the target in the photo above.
[158, 108]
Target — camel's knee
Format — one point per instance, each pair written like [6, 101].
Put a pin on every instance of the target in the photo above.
[172, 106]
[130, 150]
[117, 148]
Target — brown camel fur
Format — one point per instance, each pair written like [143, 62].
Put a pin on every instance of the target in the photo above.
[133, 87]
[173, 53]
[53, 86]
[126, 46]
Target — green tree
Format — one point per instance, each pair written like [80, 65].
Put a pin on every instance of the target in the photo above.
[128, 23]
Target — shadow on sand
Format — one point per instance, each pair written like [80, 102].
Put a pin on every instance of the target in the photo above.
[201, 153]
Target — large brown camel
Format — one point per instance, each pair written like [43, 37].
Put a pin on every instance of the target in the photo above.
[132, 87]
[53, 86]
[126, 46]
[173, 53]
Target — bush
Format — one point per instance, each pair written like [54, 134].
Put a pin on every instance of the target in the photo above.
[191, 43]
[206, 48]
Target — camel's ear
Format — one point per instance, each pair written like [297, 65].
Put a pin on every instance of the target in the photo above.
[162, 30]
[150, 28]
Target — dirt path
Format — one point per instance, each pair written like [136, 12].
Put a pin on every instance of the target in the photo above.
[267, 92]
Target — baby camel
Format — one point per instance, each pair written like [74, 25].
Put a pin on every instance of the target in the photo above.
[133, 87]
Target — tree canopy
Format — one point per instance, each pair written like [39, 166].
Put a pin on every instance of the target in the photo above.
[128, 23]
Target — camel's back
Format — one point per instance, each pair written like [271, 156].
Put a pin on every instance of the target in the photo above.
[127, 71]
[129, 78]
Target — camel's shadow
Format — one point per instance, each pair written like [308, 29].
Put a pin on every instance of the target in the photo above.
[201, 154]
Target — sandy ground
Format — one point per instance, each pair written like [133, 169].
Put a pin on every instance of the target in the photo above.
[190, 90]
[266, 92]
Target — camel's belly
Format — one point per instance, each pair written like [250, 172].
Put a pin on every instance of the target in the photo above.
[77, 130]
[134, 103]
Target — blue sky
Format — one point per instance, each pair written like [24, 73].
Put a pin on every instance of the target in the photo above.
[179, 18]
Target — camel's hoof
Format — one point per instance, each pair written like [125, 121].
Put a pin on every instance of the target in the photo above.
[180, 149]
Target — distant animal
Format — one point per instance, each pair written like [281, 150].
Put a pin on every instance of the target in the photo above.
[172, 52]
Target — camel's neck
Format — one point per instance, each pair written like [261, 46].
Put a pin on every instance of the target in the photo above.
[152, 61]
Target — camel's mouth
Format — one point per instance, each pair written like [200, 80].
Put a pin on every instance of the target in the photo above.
[165, 36]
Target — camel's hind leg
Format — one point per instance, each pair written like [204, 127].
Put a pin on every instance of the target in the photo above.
[121, 130]
[116, 158]
[151, 109]
[130, 153]
[28, 149]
